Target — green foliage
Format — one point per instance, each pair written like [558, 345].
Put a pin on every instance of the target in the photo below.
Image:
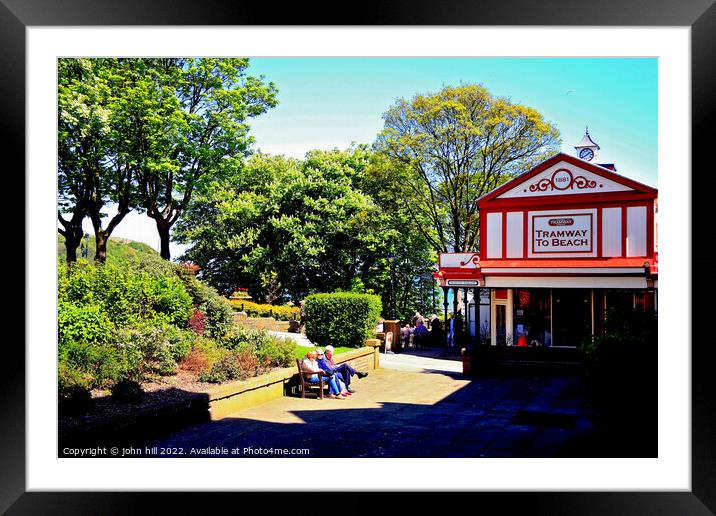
[86, 359]
[280, 313]
[276, 352]
[622, 378]
[118, 249]
[83, 324]
[300, 351]
[628, 334]
[270, 351]
[153, 347]
[444, 150]
[232, 365]
[216, 308]
[342, 319]
[303, 225]
[125, 292]
[325, 223]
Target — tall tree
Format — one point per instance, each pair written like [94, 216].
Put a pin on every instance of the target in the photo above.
[95, 167]
[83, 127]
[188, 119]
[306, 221]
[320, 224]
[451, 147]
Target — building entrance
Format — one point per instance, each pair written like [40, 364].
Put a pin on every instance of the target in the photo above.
[571, 316]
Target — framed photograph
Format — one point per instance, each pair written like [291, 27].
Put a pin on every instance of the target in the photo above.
[536, 46]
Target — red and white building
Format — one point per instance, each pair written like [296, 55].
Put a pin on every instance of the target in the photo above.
[558, 246]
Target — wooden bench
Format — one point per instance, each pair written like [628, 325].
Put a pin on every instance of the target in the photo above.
[305, 376]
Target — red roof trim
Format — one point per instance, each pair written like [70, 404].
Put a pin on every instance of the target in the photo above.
[586, 165]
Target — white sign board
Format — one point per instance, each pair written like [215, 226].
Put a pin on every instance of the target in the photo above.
[562, 233]
[463, 283]
[459, 260]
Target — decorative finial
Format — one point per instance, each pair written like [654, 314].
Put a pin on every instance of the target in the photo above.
[587, 129]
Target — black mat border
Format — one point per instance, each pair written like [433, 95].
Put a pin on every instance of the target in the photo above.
[16, 15]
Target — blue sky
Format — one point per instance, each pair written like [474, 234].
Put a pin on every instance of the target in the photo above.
[331, 102]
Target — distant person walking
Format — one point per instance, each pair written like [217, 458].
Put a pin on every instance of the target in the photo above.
[302, 314]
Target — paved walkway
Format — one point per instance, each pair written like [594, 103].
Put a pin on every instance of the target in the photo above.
[298, 338]
[429, 361]
[412, 410]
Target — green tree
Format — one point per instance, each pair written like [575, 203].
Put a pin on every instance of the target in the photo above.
[451, 147]
[397, 270]
[187, 120]
[306, 221]
[84, 131]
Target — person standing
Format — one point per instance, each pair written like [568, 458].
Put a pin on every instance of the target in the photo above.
[302, 315]
[436, 331]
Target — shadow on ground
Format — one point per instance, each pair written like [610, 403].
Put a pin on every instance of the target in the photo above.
[500, 416]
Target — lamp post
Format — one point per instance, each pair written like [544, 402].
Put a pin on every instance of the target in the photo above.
[391, 259]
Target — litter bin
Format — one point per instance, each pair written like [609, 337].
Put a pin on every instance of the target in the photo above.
[394, 328]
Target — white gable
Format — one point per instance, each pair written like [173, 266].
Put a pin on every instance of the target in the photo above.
[564, 178]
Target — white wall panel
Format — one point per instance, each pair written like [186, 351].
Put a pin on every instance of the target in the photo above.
[494, 235]
[636, 231]
[515, 234]
[611, 232]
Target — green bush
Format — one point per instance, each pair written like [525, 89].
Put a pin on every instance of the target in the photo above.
[86, 359]
[276, 352]
[270, 351]
[342, 318]
[232, 365]
[126, 291]
[216, 308]
[73, 384]
[152, 347]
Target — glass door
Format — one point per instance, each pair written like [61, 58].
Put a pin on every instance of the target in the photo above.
[571, 316]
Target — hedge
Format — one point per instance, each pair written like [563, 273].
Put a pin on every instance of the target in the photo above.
[342, 318]
[278, 312]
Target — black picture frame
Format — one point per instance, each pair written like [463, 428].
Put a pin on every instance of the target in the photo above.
[700, 15]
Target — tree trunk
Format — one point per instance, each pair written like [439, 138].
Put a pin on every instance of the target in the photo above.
[163, 228]
[73, 238]
[73, 233]
[100, 238]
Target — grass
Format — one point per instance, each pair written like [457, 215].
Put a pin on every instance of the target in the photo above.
[301, 351]
[116, 248]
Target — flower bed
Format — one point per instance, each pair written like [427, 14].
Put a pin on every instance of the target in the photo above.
[170, 405]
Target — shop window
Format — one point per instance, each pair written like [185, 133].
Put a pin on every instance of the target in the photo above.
[572, 313]
[531, 311]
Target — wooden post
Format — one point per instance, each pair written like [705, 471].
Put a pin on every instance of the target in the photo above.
[446, 329]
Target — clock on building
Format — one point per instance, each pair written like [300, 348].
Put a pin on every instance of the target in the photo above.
[587, 148]
[586, 154]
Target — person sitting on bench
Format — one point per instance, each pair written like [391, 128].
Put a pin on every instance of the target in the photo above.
[344, 371]
[336, 389]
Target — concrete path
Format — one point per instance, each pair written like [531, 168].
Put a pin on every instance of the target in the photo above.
[421, 361]
[398, 412]
[298, 338]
